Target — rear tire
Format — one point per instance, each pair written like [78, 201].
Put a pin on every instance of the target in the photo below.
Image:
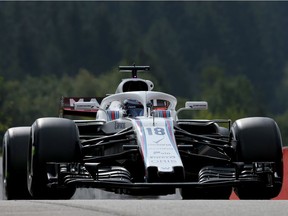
[258, 140]
[15, 150]
[52, 140]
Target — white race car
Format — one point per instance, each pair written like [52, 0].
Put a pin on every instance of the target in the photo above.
[137, 144]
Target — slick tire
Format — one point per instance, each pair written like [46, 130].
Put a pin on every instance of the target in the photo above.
[52, 140]
[15, 150]
[258, 140]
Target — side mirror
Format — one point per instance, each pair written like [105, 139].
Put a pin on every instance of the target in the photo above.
[196, 105]
[193, 105]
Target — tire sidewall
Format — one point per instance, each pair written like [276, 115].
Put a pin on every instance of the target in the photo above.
[15, 149]
[52, 140]
[258, 139]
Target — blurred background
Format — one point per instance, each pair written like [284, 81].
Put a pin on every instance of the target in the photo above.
[232, 54]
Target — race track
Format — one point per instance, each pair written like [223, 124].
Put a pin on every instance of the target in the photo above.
[143, 208]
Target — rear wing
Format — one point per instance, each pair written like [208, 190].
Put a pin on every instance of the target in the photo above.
[79, 106]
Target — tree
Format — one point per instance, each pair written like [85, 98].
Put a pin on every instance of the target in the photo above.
[5, 120]
[34, 97]
[229, 97]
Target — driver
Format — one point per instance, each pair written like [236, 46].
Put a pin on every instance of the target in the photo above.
[133, 108]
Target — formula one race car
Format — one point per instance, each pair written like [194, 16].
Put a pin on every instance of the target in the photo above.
[137, 144]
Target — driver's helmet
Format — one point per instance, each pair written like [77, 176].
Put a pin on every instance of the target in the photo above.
[133, 108]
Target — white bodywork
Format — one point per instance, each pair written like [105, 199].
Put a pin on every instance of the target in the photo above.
[157, 143]
[153, 126]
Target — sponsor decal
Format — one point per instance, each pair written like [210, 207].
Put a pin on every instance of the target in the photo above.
[197, 105]
[85, 105]
[159, 140]
[120, 125]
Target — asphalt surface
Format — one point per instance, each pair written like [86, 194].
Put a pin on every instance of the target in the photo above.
[143, 208]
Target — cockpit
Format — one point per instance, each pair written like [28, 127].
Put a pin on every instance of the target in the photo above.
[138, 103]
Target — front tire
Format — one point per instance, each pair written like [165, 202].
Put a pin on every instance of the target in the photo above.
[258, 140]
[53, 140]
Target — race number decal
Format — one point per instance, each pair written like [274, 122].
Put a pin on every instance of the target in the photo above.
[155, 131]
[158, 145]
